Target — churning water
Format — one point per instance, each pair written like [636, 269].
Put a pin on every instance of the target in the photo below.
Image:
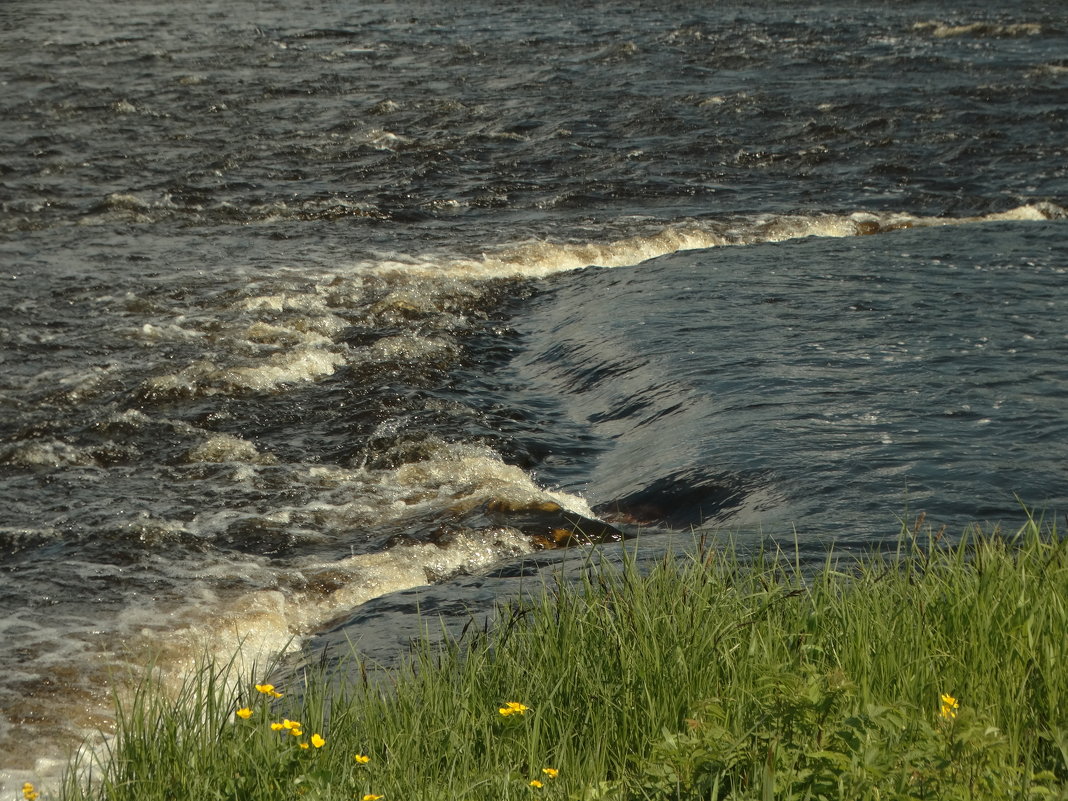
[310, 305]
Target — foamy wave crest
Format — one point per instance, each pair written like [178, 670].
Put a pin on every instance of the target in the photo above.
[259, 624]
[540, 259]
[944, 30]
[248, 610]
[450, 479]
[410, 347]
[292, 367]
[257, 607]
[206, 378]
[294, 334]
[50, 453]
[228, 448]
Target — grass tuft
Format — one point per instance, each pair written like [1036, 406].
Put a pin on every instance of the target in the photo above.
[936, 671]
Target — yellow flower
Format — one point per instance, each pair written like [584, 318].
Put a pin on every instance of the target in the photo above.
[244, 713]
[28, 792]
[289, 725]
[949, 706]
[536, 783]
[268, 689]
[363, 760]
[317, 741]
[513, 708]
[552, 773]
[370, 797]
[304, 745]
[278, 726]
[296, 732]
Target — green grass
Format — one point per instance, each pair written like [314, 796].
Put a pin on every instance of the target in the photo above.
[708, 676]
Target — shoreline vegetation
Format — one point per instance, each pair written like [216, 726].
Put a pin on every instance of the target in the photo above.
[935, 671]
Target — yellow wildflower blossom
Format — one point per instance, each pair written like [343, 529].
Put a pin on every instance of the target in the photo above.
[317, 741]
[360, 758]
[268, 689]
[277, 726]
[370, 797]
[28, 792]
[304, 746]
[552, 773]
[288, 724]
[244, 713]
[949, 706]
[536, 783]
[296, 732]
[513, 708]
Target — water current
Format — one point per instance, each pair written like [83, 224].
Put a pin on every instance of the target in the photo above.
[324, 320]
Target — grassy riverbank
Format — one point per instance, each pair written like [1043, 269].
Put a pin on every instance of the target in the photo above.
[935, 672]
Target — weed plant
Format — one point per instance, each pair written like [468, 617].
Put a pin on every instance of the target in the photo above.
[937, 671]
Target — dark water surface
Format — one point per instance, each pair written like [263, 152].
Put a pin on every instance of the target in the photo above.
[816, 382]
[331, 314]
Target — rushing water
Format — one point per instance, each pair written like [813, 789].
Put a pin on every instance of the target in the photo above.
[310, 306]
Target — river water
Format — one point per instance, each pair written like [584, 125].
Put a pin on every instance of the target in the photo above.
[324, 316]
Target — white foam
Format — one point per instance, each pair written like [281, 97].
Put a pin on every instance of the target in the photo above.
[250, 628]
[286, 335]
[228, 448]
[290, 367]
[1034, 213]
[1047, 70]
[945, 30]
[539, 259]
[380, 139]
[468, 475]
[300, 346]
[168, 332]
[287, 367]
[286, 600]
[257, 625]
[452, 476]
[71, 382]
[16, 535]
[48, 453]
[409, 348]
[337, 588]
